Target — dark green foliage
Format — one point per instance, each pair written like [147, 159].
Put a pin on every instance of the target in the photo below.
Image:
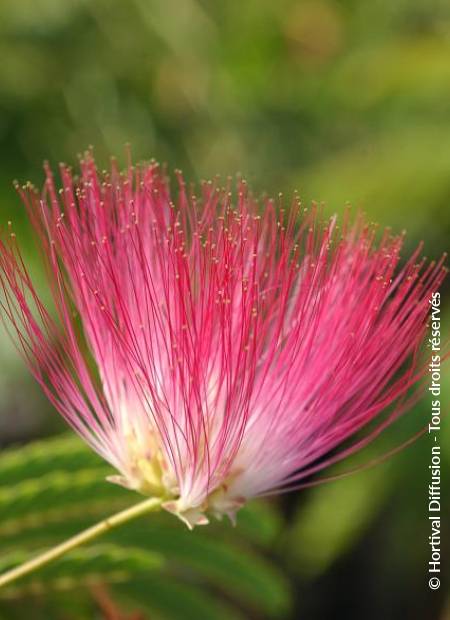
[153, 563]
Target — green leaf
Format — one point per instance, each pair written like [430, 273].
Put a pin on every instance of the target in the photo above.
[83, 566]
[234, 568]
[62, 500]
[30, 500]
[259, 522]
[335, 515]
[167, 599]
[67, 453]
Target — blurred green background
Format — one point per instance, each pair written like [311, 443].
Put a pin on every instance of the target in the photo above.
[346, 101]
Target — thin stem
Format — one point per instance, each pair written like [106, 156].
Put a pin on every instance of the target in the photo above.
[100, 528]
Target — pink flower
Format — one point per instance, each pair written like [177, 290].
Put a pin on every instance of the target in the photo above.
[235, 346]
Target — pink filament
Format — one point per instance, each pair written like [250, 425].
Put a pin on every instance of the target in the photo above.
[251, 342]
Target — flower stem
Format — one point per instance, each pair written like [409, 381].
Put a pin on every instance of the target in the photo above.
[100, 528]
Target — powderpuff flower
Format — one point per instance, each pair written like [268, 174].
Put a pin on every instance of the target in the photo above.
[212, 349]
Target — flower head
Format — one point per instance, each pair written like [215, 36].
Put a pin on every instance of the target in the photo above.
[210, 348]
